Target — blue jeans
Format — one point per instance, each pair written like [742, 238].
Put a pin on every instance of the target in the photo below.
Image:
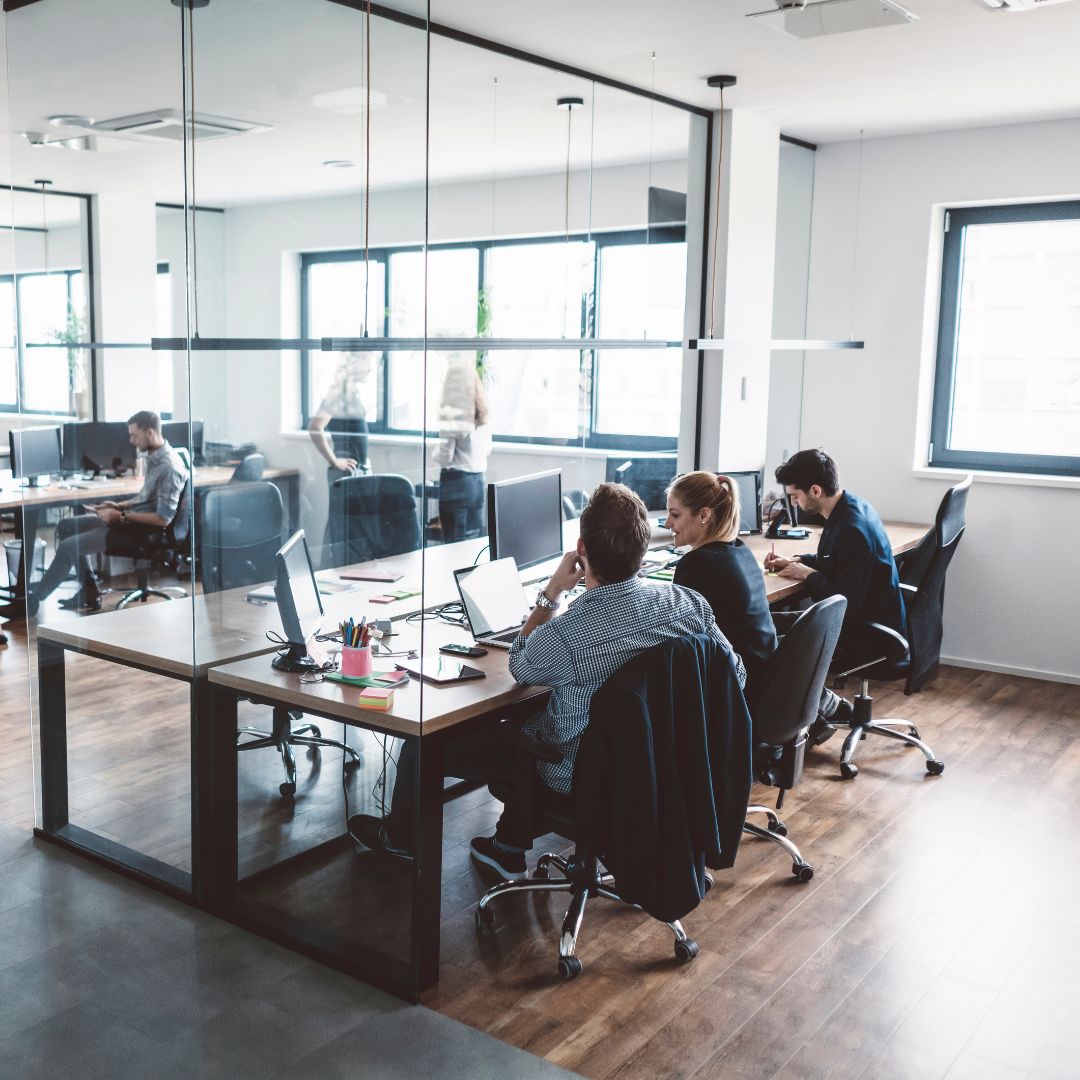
[461, 505]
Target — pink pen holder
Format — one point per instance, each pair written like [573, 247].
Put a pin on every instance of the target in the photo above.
[356, 661]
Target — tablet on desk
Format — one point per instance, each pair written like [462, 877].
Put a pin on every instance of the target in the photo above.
[441, 669]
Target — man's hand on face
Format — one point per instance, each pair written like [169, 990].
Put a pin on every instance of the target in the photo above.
[568, 574]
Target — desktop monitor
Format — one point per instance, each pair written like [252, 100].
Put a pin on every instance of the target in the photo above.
[649, 476]
[298, 602]
[98, 446]
[525, 518]
[749, 484]
[35, 452]
[177, 433]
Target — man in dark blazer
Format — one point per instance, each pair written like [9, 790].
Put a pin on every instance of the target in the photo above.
[854, 559]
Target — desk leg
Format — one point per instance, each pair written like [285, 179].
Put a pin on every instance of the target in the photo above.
[214, 802]
[52, 709]
[427, 876]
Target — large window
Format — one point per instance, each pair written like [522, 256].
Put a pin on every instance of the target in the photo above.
[38, 313]
[1007, 389]
[615, 285]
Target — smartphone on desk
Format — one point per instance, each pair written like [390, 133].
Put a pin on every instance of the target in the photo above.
[453, 649]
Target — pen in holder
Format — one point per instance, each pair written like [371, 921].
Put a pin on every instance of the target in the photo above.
[356, 661]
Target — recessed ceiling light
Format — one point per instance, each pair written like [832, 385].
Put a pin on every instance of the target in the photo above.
[70, 120]
[339, 163]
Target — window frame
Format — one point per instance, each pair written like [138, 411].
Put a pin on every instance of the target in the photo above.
[16, 279]
[590, 438]
[939, 454]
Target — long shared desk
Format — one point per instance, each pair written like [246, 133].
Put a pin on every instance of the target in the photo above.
[29, 503]
[217, 645]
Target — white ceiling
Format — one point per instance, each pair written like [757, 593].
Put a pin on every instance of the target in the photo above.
[291, 63]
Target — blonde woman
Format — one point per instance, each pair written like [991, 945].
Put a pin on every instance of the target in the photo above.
[703, 512]
[463, 450]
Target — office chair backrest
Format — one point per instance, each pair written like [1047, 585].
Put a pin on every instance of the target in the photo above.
[372, 517]
[926, 607]
[574, 500]
[251, 468]
[240, 530]
[787, 690]
[179, 529]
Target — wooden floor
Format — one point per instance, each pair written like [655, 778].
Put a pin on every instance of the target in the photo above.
[939, 937]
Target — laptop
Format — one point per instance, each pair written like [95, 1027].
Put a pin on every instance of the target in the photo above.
[494, 600]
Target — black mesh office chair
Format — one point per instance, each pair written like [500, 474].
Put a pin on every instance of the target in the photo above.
[696, 675]
[922, 577]
[152, 548]
[573, 502]
[784, 703]
[372, 517]
[240, 529]
[249, 469]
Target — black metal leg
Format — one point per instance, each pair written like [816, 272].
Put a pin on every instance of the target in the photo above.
[52, 703]
[215, 828]
[427, 872]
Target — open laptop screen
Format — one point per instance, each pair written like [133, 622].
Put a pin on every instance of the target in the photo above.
[493, 596]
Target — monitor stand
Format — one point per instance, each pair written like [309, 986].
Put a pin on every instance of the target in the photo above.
[296, 659]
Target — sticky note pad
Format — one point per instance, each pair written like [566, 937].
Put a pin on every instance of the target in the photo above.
[376, 697]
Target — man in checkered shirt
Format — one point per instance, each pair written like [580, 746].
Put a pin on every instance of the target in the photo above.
[618, 617]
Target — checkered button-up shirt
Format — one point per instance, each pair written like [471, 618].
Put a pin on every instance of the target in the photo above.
[577, 652]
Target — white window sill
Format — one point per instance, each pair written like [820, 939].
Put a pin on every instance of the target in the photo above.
[987, 477]
[498, 446]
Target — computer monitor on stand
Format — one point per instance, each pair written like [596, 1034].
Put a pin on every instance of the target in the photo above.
[299, 604]
[180, 433]
[748, 482]
[35, 452]
[98, 446]
[649, 476]
[525, 518]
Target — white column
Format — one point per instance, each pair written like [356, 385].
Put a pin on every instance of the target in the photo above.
[735, 396]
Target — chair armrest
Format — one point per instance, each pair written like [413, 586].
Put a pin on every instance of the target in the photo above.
[517, 738]
[885, 645]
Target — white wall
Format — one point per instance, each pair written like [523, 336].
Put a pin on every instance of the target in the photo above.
[1010, 604]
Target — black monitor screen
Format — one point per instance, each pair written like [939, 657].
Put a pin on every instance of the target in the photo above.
[749, 484]
[177, 433]
[650, 477]
[35, 451]
[525, 518]
[98, 446]
[296, 592]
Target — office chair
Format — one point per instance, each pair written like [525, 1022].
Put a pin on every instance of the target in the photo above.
[250, 468]
[707, 755]
[922, 578]
[240, 527]
[784, 702]
[573, 502]
[372, 517]
[159, 547]
[239, 531]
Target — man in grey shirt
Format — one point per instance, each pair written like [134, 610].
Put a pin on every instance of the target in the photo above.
[117, 525]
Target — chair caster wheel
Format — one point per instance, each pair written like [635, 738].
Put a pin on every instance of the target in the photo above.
[848, 771]
[935, 768]
[914, 732]
[352, 762]
[709, 882]
[541, 873]
[685, 951]
[780, 829]
[288, 790]
[315, 731]
[569, 967]
[802, 872]
[485, 919]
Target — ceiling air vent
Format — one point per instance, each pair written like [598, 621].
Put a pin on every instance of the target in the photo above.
[1026, 5]
[170, 124]
[818, 18]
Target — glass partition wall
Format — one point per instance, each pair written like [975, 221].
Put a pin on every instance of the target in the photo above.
[400, 302]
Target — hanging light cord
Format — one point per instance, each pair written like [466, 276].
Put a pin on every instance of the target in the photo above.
[716, 225]
[855, 239]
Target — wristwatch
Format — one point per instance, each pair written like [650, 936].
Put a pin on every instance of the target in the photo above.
[544, 602]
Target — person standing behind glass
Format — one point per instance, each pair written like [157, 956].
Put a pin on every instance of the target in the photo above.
[343, 414]
[463, 450]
